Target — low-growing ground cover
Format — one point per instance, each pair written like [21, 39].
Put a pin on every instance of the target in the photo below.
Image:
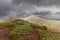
[23, 30]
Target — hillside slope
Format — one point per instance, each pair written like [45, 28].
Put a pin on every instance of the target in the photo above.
[51, 24]
[19, 29]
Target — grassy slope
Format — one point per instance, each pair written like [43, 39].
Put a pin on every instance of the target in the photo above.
[51, 24]
[23, 30]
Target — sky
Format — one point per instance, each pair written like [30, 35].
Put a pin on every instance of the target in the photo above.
[24, 8]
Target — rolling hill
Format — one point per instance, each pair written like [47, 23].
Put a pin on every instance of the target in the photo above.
[18, 29]
[52, 25]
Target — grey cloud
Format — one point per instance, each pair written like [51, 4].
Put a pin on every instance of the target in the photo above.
[58, 13]
[39, 3]
[55, 16]
[44, 2]
[22, 15]
[4, 8]
[16, 2]
[34, 1]
[26, 8]
[43, 14]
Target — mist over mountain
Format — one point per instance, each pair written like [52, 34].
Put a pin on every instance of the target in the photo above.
[23, 8]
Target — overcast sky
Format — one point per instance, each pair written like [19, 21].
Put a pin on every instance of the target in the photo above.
[24, 8]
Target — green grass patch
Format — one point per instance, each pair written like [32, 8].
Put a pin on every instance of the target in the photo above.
[34, 25]
[20, 22]
[21, 31]
[8, 24]
[37, 26]
[45, 35]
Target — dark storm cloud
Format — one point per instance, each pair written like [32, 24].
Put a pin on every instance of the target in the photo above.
[22, 8]
[38, 2]
[27, 1]
[17, 2]
[43, 14]
[44, 2]
[34, 1]
[4, 8]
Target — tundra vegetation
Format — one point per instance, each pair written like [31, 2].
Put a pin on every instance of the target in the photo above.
[23, 30]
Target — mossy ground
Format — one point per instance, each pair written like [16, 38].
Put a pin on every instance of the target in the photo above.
[23, 30]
